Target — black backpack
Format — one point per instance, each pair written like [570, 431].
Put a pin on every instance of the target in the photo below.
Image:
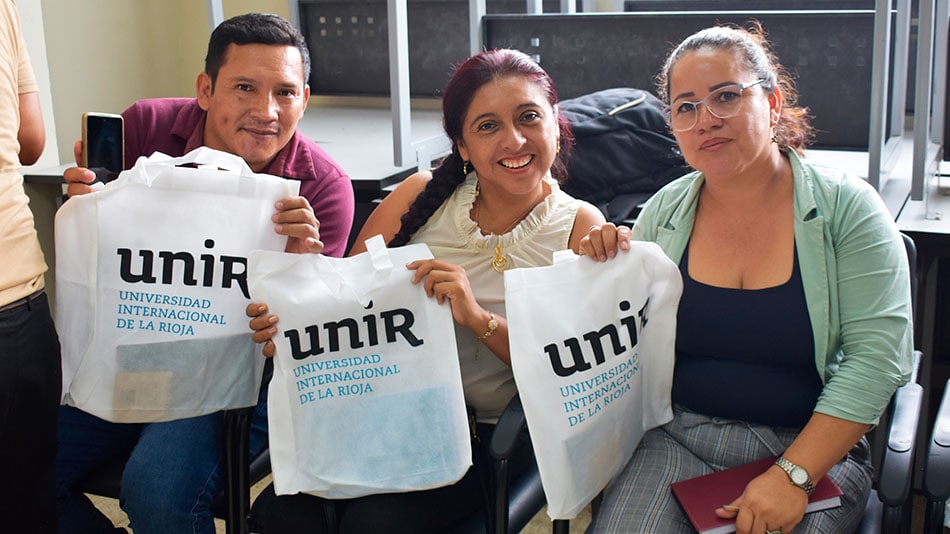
[623, 150]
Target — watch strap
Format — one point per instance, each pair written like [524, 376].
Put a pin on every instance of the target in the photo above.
[788, 466]
[492, 326]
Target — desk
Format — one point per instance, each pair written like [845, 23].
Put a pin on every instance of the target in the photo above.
[360, 139]
[932, 237]
[45, 189]
[896, 185]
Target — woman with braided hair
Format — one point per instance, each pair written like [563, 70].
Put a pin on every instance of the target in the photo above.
[491, 205]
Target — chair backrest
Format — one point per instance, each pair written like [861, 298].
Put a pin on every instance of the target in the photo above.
[894, 442]
[514, 501]
[911, 248]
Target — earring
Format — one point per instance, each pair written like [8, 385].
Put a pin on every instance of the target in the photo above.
[464, 168]
[774, 140]
[558, 148]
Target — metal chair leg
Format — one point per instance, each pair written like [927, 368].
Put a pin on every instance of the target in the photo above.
[237, 425]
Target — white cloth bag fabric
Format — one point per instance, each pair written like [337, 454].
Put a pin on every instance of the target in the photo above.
[592, 355]
[151, 287]
[366, 396]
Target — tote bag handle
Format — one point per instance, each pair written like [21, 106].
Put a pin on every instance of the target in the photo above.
[214, 172]
[379, 260]
[207, 157]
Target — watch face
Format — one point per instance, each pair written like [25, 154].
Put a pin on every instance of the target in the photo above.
[799, 476]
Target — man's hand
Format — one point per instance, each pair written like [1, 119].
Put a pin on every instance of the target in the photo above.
[78, 179]
[295, 219]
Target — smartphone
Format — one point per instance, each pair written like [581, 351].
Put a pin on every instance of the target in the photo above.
[103, 144]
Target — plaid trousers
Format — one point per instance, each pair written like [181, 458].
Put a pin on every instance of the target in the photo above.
[639, 499]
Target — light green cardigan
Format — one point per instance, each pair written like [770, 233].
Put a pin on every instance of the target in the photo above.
[855, 273]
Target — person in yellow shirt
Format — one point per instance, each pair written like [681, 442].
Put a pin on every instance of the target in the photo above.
[30, 380]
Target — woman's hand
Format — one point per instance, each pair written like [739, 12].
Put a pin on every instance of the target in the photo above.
[769, 503]
[447, 281]
[296, 220]
[263, 325]
[602, 242]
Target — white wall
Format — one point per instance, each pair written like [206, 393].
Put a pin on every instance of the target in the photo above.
[602, 5]
[103, 55]
[31, 18]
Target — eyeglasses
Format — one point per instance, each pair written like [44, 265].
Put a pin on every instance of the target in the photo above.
[722, 103]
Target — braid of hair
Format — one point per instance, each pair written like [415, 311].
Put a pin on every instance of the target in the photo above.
[445, 179]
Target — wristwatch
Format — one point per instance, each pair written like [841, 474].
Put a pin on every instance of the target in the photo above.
[796, 474]
[492, 325]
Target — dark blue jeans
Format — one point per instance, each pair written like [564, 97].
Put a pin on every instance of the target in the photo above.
[30, 384]
[174, 469]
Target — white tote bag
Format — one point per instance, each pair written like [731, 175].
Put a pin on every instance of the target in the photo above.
[367, 394]
[151, 287]
[592, 355]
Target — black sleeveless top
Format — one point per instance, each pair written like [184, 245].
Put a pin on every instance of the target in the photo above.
[746, 354]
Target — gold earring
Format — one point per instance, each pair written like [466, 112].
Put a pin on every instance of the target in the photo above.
[465, 168]
[558, 148]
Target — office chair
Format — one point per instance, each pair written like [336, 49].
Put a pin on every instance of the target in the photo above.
[513, 501]
[517, 501]
[233, 503]
[936, 481]
[888, 508]
[894, 443]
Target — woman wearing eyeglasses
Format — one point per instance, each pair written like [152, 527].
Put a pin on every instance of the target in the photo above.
[794, 329]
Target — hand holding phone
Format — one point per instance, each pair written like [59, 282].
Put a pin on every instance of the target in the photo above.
[103, 144]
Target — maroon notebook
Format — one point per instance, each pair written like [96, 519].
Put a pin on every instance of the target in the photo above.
[700, 496]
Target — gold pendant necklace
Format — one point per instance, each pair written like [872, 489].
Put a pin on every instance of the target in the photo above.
[500, 262]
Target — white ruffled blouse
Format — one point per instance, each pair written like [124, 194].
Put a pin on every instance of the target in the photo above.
[454, 237]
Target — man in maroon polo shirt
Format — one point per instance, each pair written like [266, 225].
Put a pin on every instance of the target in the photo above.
[250, 97]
